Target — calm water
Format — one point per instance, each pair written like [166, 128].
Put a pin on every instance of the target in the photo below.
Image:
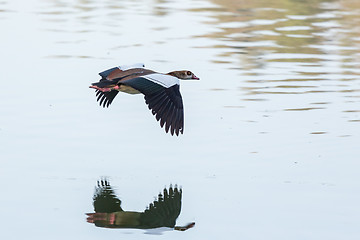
[270, 147]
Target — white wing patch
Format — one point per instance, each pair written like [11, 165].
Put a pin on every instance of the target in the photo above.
[162, 79]
[127, 67]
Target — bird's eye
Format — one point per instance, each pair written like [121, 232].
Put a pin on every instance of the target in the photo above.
[188, 73]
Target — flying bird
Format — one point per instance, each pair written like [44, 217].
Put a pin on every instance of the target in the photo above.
[163, 212]
[161, 91]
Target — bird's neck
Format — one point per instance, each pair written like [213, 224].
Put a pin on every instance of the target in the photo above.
[174, 74]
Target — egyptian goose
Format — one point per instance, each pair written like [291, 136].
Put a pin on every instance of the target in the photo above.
[162, 94]
[109, 214]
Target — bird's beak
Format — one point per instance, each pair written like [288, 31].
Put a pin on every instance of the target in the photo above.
[195, 77]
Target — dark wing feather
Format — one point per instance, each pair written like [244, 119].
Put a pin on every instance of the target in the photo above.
[166, 103]
[164, 211]
[105, 200]
[106, 98]
[112, 77]
[169, 110]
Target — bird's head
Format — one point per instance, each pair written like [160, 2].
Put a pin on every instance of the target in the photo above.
[184, 75]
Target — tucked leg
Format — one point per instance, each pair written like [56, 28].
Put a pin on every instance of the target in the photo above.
[105, 89]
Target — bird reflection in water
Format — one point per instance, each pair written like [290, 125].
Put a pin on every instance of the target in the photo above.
[163, 212]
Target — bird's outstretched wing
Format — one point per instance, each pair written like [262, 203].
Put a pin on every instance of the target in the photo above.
[105, 98]
[110, 73]
[105, 204]
[114, 76]
[162, 95]
[164, 211]
[105, 200]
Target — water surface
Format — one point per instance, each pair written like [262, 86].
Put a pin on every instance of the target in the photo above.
[270, 146]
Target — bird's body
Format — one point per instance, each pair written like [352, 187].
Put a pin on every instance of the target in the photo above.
[163, 212]
[162, 94]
